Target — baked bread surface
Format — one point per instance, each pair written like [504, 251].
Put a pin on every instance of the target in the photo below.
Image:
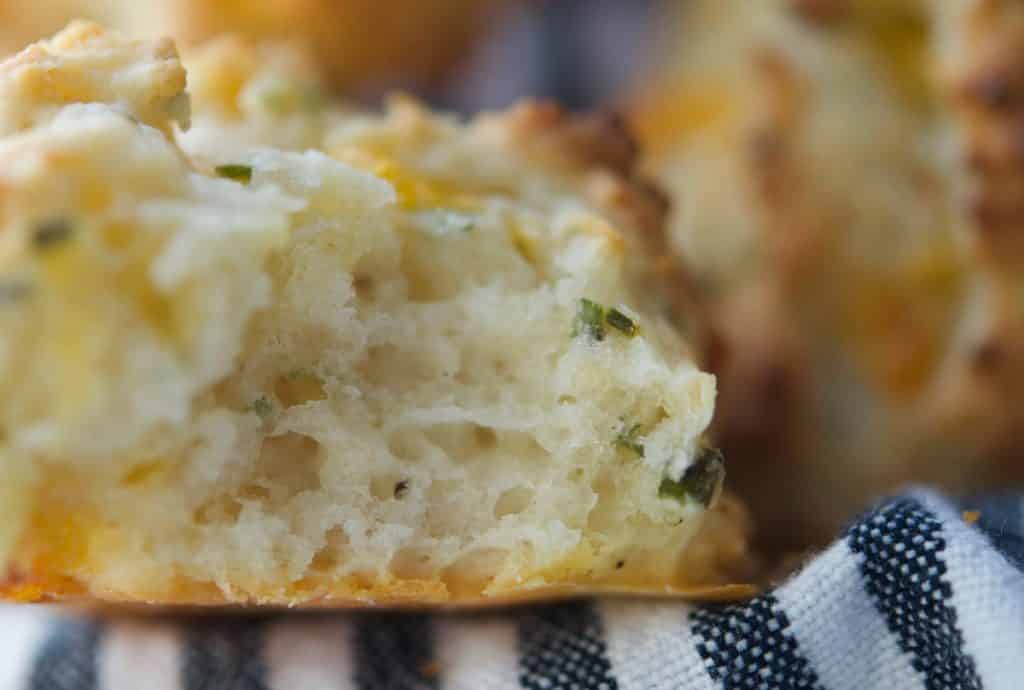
[301, 355]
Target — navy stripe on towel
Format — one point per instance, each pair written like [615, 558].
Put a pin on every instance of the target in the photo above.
[225, 655]
[67, 659]
[395, 651]
[748, 646]
[562, 647]
[901, 564]
[1001, 519]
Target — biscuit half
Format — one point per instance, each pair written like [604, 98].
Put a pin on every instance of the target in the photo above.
[419, 362]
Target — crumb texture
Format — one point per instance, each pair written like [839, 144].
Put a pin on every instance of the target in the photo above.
[370, 353]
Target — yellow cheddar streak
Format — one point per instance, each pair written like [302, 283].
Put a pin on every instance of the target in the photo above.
[67, 540]
[24, 594]
[415, 191]
[419, 192]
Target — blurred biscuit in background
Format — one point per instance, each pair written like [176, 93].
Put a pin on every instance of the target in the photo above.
[362, 43]
[846, 178]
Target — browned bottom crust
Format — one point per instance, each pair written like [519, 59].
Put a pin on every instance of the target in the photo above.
[409, 594]
[720, 567]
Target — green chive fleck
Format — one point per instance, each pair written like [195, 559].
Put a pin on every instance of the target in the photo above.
[589, 320]
[236, 172]
[699, 482]
[627, 438]
[620, 322]
[51, 233]
[262, 407]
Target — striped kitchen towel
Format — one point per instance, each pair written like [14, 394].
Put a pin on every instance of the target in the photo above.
[912, 596]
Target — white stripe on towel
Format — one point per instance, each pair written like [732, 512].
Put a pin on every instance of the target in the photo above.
[478, 652]
[311, 655]
[988, 595]
[137, 654]
[651, 648]
[25, 627]
[839, 629]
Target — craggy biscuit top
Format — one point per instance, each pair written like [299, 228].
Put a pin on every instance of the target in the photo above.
[86, 65]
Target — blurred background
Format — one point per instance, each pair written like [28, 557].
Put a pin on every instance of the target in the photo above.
[459, 54]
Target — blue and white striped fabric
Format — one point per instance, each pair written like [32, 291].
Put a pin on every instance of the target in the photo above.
[911, 597]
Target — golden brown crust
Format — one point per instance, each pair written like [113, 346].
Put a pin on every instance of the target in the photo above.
[599, 140]
[404, 596]
[604, 145]
[718, 567]
[601, 148]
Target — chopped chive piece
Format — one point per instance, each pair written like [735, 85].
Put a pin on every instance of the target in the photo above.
[620, 322]
[699, 482]
[627, 438]
[262, 407]
[14, 291]
[235, 171]
[589, 320]
[51, 233]
[401, 489]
